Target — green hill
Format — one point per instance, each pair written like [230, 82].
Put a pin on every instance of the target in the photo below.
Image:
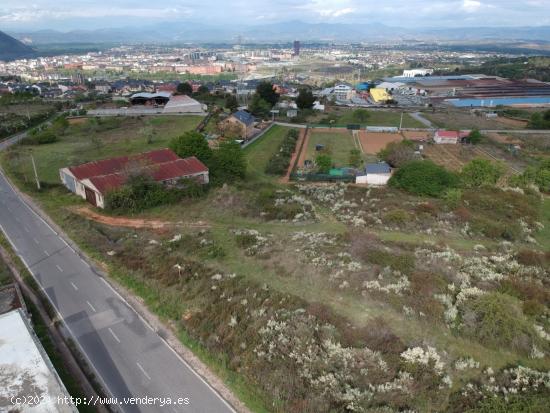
[11, 48]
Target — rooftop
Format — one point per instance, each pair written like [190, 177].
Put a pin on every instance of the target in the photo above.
[377, 168]
[244, 117]
[28, 370]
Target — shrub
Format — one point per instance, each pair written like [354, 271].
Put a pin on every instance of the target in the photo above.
[400, 262]
[324, 163]
[397, 216]
[423, 178]
[280, 161]
[495, 320]
[531, 257]
[40, 138]
[398, 154]
[192, 144]
[452, 198]
[140, 192]
[480, 172]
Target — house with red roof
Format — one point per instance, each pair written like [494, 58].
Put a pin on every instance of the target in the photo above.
[450, 136]
[93, 180]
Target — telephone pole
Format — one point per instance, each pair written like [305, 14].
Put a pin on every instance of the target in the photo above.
[401, 121]
[35, 173]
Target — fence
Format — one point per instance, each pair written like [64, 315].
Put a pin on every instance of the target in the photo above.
[313, 177]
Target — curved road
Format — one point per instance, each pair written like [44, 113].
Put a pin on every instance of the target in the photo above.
[129, 357]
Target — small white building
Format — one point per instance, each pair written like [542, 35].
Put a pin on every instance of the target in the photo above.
[417, 72]
[343, 92]
[450, 136]
[376, 174]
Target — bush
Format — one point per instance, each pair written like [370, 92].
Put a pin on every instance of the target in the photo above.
[479, 172]
[141, 192]
[324, 163]
[423, 178]
[280, 161]
[496, 320]
[401, 262]
[398, 154]
[452, 198]
[40, 138]
[397, 216]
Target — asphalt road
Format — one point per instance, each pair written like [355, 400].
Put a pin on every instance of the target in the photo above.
[130, 359]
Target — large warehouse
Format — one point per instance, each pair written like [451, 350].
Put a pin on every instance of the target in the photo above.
[183, 104]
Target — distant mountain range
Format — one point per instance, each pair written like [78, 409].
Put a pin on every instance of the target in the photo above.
[171, 32]
[11, 48]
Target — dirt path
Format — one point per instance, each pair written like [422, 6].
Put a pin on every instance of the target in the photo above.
[87, 212]
[300, 144]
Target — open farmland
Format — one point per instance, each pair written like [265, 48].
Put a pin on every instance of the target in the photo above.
[455, 119]
[337, 142]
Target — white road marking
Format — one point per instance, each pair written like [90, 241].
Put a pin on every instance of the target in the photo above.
[74, 286]
[88, 265]
[91, 306]
[26, 229]
[59, 268]
[47, 253]
[113, 334]
[36, 241]
[143, 371]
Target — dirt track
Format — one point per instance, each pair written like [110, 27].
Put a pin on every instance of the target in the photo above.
[88, 213]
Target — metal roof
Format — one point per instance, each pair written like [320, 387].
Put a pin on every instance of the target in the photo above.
[378, 168]
[114, 165]
[244, 117]
[146, 95]
[180, 168]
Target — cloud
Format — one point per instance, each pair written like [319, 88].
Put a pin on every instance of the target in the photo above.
[471, 6]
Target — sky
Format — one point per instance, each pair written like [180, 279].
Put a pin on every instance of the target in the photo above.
[66, 15]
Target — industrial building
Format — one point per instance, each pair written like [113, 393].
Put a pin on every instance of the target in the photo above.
[145, 98]
[183, 104]
[92, 180]
[379, 95]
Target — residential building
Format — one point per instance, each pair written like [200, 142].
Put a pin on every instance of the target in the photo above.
[243, 120]
[450, 136]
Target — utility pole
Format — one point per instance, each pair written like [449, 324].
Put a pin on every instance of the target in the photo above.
[35, 173]
[401, 121]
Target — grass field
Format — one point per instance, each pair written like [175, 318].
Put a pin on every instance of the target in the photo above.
[111, 137]
[338, 145]
[377, 118]
[259, 152]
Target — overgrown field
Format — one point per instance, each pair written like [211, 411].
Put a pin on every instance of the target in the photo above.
[98, 139]
[334, 298]
[344, 116]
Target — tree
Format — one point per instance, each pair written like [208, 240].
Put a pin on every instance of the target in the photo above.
[185, 88]
[474, 137]
[192, 144]
[479, 172]
[535, 175]
[231, 103]
[540, 120]
[324, 163]
[305, 99]
[228, 163]
[203, 90]
[423, 178]
[259, 107]
[360, 115]
[398, 154]
[355, 158]
[266, 91]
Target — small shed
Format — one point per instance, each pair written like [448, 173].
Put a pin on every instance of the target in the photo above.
[375, 174]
